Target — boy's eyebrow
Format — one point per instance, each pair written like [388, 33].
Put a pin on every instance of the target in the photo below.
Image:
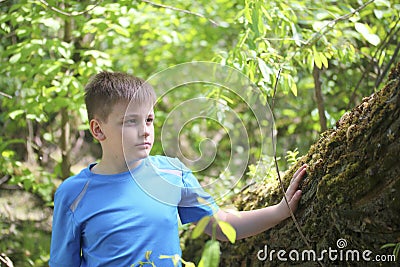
[135, 115]
[131, 115]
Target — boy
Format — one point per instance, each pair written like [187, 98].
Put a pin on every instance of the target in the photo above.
[114, 212]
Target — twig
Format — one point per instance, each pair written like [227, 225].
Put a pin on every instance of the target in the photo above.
[279, 176]
[384, 43]
[315, 37]
[6, 260]
[385, 71]
[6, 95]
[72, 14]
[4, 179]
[180, 10]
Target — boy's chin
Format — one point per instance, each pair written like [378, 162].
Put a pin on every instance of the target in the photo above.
[136, 160]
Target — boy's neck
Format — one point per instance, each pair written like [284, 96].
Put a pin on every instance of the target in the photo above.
[105, 168]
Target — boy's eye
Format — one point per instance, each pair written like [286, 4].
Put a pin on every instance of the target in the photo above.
[149, 120]
[131, 121]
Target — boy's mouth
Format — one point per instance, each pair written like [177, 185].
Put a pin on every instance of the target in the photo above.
[145, 144]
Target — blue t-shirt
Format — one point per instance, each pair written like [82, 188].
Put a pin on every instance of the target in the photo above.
[115, 220]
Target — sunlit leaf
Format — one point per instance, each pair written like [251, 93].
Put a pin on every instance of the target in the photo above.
[317, 59]
[201, 225]
[366, 32]
[292, 85]
[228, 231]
[211, 254]
[324, 60]
[15, 113]
[15, 58]
[265, 70]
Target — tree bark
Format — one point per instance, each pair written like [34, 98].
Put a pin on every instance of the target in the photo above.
[351, 193]
[65, 123]
[319, 98]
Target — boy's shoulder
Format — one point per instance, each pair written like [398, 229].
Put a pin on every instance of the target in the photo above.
[164, 162]
[73, 184]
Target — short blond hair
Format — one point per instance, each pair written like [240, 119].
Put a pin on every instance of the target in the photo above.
[105, 89]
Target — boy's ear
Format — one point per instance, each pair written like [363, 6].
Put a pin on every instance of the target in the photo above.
[95, 129]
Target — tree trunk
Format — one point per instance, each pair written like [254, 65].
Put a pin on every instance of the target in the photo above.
[319, 98]
[351, 195]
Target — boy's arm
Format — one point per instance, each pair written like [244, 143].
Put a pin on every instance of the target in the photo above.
[65, 248]
[250, 223]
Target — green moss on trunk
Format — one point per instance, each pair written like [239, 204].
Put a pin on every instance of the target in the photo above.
[352, 189]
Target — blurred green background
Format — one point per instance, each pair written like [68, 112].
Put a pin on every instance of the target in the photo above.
[332, 54]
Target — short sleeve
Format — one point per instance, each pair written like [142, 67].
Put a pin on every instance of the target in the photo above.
[65, 249]
[190, 209]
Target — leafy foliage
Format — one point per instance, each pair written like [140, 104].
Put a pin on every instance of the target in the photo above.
[48, 51]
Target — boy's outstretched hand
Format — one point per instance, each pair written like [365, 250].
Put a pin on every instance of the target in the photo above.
[252, 222]
[293, 194]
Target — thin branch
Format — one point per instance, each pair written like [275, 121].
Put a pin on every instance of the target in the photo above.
[180, 10]
[72, 14]
[384, 43]
[6, 95]
[279, 176]
[284, 39]
[385, 71]
[315, 37]
[319, 98]
[4, 179]
[6, 260]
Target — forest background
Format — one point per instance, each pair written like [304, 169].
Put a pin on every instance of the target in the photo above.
[331, 54]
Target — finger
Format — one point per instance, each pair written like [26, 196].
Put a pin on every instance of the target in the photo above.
[296, 180]
[299, 174]
[294, 201]
[294, 184]
[299, 170]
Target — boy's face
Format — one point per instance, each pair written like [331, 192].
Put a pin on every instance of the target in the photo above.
[129, 132]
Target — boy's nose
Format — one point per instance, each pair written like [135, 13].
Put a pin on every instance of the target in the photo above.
[146, 131]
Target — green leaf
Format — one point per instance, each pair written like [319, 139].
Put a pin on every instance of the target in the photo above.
[317, 59]
[366, 32]
[265, 71]
[27, 184]
[211, 254]
[15, 58]
[52, 68]
[292, 85]
[389, 245]
[324, 60]
[15, 113]
[247, 13]
[201, 225]
[63, 52]
[121, 30]
[228, 231]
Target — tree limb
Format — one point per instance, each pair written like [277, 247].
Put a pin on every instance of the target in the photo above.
[383, 44]
[385, 71]
[180, 10]
[6, 95]
[319, 98]
[315, 37]
[72, 14]
[6, 260]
